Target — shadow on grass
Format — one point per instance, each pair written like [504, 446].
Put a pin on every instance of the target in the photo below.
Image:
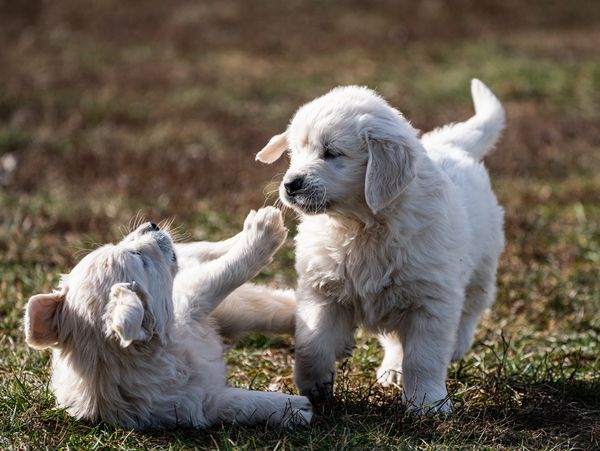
[506, 412]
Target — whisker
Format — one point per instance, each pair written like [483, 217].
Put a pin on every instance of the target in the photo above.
[129, 224]
[279, 174]
[123, 231]
[166, 223]
[80, 251]
[179, 234]
[136, 221]
[323, 202]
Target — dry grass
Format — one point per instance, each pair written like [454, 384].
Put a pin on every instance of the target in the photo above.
[112, 108]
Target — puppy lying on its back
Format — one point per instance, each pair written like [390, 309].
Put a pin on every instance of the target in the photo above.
[133, 342]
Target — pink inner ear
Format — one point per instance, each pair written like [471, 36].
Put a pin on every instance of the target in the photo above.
[40, 324]
[274, 149]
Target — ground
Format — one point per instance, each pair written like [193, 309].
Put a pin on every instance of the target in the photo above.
[112, 109]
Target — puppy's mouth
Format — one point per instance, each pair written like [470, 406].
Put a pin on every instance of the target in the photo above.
[310, 202]
[163, 239]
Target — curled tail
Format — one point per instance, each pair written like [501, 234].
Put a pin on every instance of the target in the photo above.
[478, 135]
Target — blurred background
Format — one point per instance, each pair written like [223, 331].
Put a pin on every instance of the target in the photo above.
[108, 108]
[112, 109]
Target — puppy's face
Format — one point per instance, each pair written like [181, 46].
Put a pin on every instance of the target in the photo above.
[349, 151]
[120, 292]
[328, 159]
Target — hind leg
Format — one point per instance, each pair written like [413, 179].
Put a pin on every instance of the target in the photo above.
[479, 296]
[390, 370]
[256, 308]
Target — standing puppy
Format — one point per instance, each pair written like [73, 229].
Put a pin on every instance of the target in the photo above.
[134, 329]
[399, 235]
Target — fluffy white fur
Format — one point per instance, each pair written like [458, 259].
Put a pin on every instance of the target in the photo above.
[399, 234]
[133, 342]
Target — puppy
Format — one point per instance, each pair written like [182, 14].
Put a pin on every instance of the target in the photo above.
[398, 234]
[134, 343]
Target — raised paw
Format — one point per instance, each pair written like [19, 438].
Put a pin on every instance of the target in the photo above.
[269, 219]
[249, 221]
[264, 230]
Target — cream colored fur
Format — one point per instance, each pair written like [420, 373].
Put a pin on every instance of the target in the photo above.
[134, 330]
[398, 234]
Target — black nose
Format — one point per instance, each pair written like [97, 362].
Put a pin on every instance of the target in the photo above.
[293, 186]
[154, 227]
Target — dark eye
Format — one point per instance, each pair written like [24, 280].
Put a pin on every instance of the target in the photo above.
[329, 153]
[139, 254]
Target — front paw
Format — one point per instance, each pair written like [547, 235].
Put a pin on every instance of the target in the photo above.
[264, 230]
[319, 393]
[426, 406]
[298, 412]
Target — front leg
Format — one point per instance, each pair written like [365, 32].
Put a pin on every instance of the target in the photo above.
[249, 407]
[324, 332]
[203, 251]
[427, 334]
[201, 288]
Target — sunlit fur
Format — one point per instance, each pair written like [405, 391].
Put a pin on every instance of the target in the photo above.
[133, 342]
[398, 234]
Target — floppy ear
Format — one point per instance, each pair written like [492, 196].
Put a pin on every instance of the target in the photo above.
[125, 314]
[390, 169]
[41, 330]
[274, 149]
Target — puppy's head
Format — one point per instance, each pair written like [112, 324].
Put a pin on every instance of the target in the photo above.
[349, 152]
[120, 293]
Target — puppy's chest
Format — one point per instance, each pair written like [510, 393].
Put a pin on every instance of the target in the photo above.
[366, 275]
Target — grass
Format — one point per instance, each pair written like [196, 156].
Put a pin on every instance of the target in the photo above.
[111, 109]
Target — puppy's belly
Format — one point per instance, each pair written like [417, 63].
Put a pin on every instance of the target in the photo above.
[384, 311]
